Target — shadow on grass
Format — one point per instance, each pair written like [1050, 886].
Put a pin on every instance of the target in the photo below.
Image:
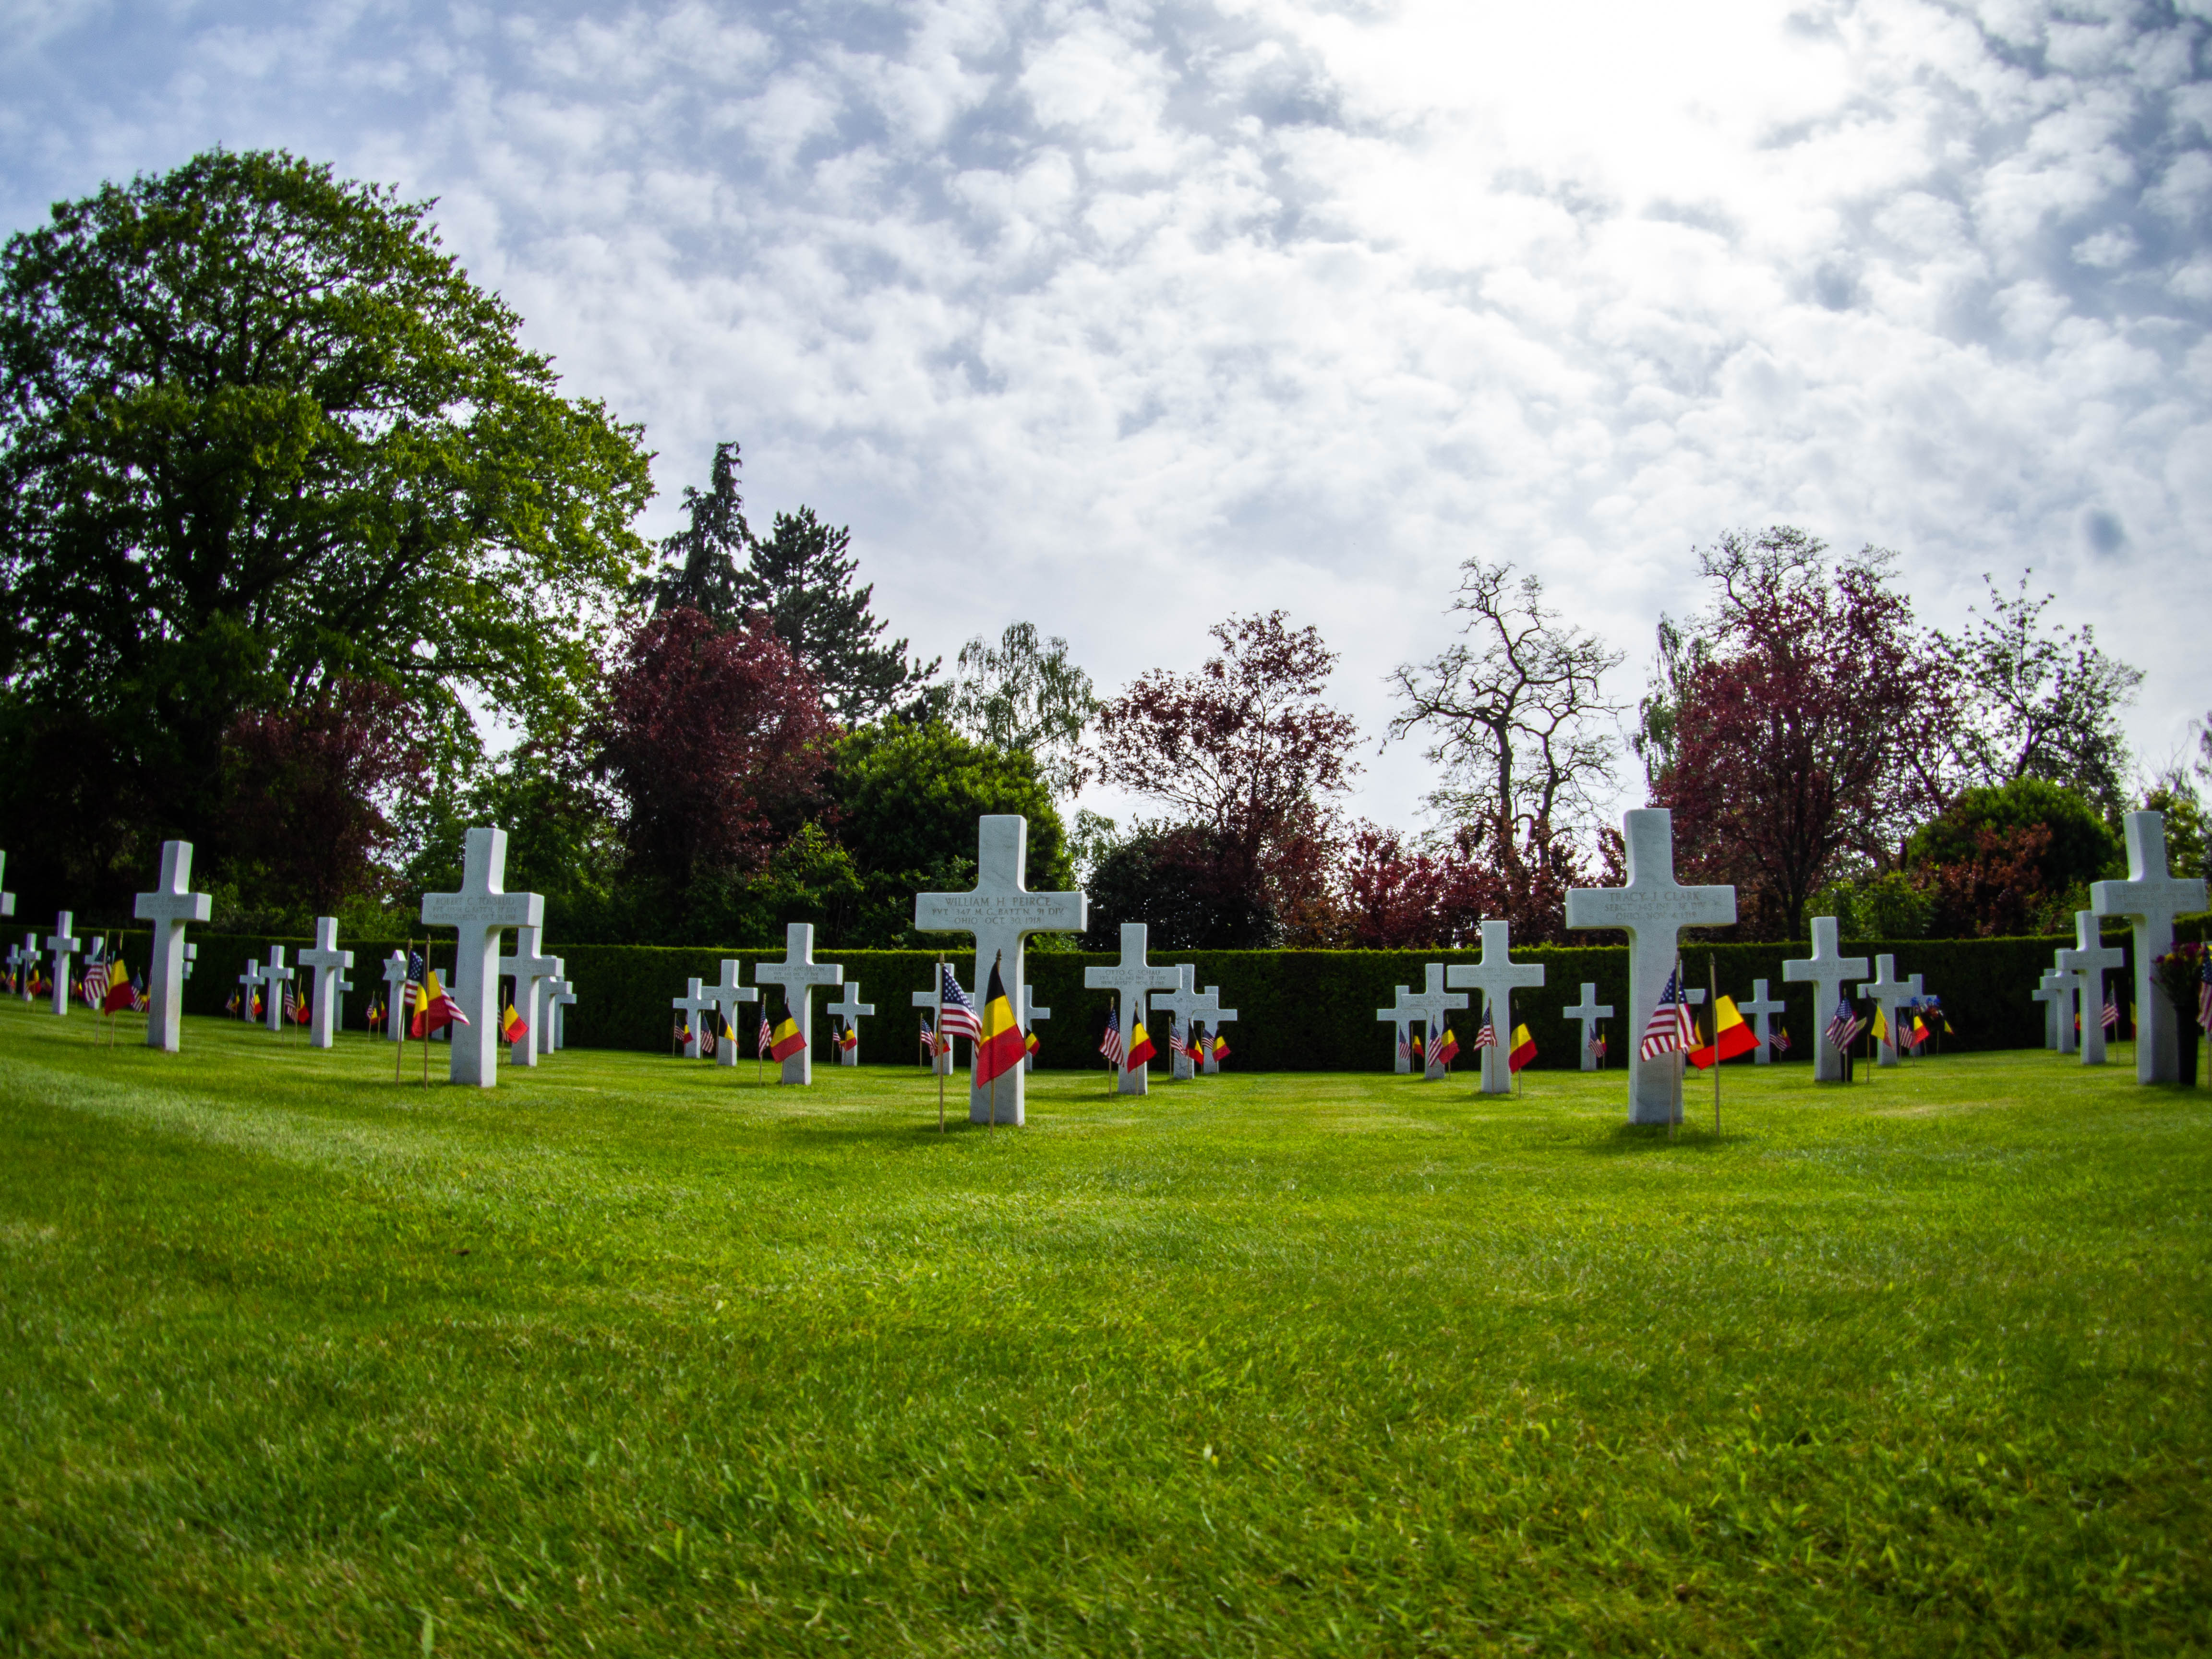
[1629, 1139]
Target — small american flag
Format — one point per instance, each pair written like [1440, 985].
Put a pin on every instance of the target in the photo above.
[95, 983]
[1110, 1044]
[1178, 1044]
[1405, 1049]
[1844, 1028]
[2204, 991]
[959, 1019]
[928, 1038]
[1780, 1040]
[767, 1031]
[1487, 1036]
[1668, 1030]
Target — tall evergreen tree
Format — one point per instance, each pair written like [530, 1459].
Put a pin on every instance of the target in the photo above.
[802, 577]
[702, 563]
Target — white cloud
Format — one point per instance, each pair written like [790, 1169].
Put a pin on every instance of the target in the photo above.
[1152, 312]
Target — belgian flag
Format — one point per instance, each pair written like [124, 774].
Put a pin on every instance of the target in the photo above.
[785, 1041]
[1140, 1047]
[1524, 1048]
[1001, 1048]
[1731, 1037]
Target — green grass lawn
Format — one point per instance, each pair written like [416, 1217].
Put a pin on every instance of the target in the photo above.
[634, 1355]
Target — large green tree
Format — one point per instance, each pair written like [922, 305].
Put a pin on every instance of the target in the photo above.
[260, 432]
[907, 797]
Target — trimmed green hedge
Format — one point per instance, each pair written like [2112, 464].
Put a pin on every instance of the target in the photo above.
[1297, 1010]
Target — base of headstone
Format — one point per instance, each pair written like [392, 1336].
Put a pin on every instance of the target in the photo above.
[1005, 1106]
[799, 1069]
[1135, 1080]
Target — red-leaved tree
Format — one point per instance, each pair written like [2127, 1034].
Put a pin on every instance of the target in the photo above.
[1246, 750]
[714, 739]
[306, 790]
[1401, 897]
[1789, 726]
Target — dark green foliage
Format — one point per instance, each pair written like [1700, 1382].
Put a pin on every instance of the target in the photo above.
[703, 562]
[802, 576]
[1166, 876]
[258, 432]
[906, 799]
[2083, 847]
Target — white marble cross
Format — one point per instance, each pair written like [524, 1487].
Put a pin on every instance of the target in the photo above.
[19, 963]
[1188, 1005]
[727, 996]
[1030, 1015]
[799, 973]
[1216, 1016]
[1002, 912]
[169, 907]
[927, 1000]
[479, 911]
[562, 997]
[1428, 1007]
[277, 976]
[1586, 1013]
[1760, 1007]
[30, 961]
[2049, 992]
[252, 979]
[2060, 992]
[1653, 908]
[1830, 971]
[1432, 1004]
[63, 947]
[7, 899]
[1132, 980]
[2149, 899]
[694, 1002]
[851, 1010]
[328, 964]
[541, 1014]
[396, 1011]
[2088, 962]
[530, 967]
[1890, 993]
[1496, 976]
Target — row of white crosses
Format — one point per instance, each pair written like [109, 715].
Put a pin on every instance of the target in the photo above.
[798, 973]
[1172, 988]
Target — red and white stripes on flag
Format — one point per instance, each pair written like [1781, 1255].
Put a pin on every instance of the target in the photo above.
[1669, 1030]
[1110, 1044]
[1487, 1036]
[959, 1019]
[2111, 1011]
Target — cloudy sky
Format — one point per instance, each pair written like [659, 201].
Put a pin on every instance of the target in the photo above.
[1121, 317]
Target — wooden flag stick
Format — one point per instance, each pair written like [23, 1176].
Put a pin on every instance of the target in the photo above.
[398, 1048]
[1674, 1117]
[1713, 968]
